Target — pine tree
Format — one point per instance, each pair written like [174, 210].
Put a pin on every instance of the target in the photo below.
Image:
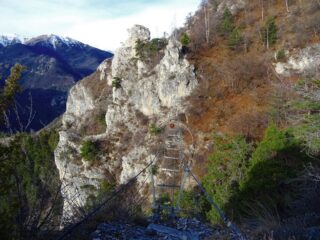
[11, 87]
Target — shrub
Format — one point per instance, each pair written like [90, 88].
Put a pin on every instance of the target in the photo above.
[235, 39]
[245, 182]
[154, 170]
[250, 124]
[150, 49]
[116, 82]
[276, 159]
[157, 44]
[29, 187]
[226, 169]
[139, 48]
[184, 39]
[280, 55]
[53, 140]
[101, 119]
[316, 82]
[89, 151]
[153, 129]
[300, 82]
[107, 186]
[309, 132]
[164, 199]
[305, 111]
[243, 72]
[194, 204]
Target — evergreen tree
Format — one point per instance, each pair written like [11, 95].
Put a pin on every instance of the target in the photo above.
[227, 26]
[11, 87]
[269, 32]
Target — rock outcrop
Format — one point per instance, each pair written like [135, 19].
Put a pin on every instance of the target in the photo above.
[304, 62]
[233, 5]
[142, 95]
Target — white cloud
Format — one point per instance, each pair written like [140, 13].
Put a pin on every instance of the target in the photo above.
[109, 33]
[93, 22]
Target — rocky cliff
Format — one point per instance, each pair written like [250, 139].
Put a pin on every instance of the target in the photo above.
[304, 62]
[131, 95]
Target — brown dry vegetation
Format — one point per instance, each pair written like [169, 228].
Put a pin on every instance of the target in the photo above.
[96, 86]
[239, 92]
[235, 86]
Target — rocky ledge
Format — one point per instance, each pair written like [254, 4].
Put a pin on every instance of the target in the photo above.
[182, 229]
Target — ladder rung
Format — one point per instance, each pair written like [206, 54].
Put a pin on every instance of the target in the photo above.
[164, 207]
[171, 141]
[168, 186]
[169, 170]
[170, 145]
[167, 157]
[173, 149]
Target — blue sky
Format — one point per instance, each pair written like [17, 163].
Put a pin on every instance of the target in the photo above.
[101, 23]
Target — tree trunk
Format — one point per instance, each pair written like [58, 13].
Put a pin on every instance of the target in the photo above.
[287, 6]
[267, 37]
[262, 10]
[207, 23]
[246, 22]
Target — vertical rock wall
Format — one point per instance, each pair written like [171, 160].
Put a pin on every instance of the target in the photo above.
[146, 94]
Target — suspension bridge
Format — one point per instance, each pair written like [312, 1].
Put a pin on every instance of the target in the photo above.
[168, 173]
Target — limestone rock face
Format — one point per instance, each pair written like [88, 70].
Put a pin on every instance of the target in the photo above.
[304, 61]
[136, 33]
[146, 94]
[173, 78]
[79, 102]
[176, 77]
[233, 5]
[104, 69]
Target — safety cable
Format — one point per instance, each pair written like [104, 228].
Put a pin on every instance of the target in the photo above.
[224, 218]
[114, 194]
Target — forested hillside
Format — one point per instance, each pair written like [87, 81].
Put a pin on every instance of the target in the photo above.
[258, 107]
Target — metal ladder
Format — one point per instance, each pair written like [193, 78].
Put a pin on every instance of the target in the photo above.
[171, 169]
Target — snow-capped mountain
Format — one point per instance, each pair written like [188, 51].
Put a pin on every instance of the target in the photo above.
[54, 41]
[49, 40]
[54, 64]
[10, 39]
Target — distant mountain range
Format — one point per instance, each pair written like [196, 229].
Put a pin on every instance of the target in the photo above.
[6, 40]
[54, 64]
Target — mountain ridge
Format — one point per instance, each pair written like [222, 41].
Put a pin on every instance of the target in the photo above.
[54, 64]
[9, 39]
[53, 39]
